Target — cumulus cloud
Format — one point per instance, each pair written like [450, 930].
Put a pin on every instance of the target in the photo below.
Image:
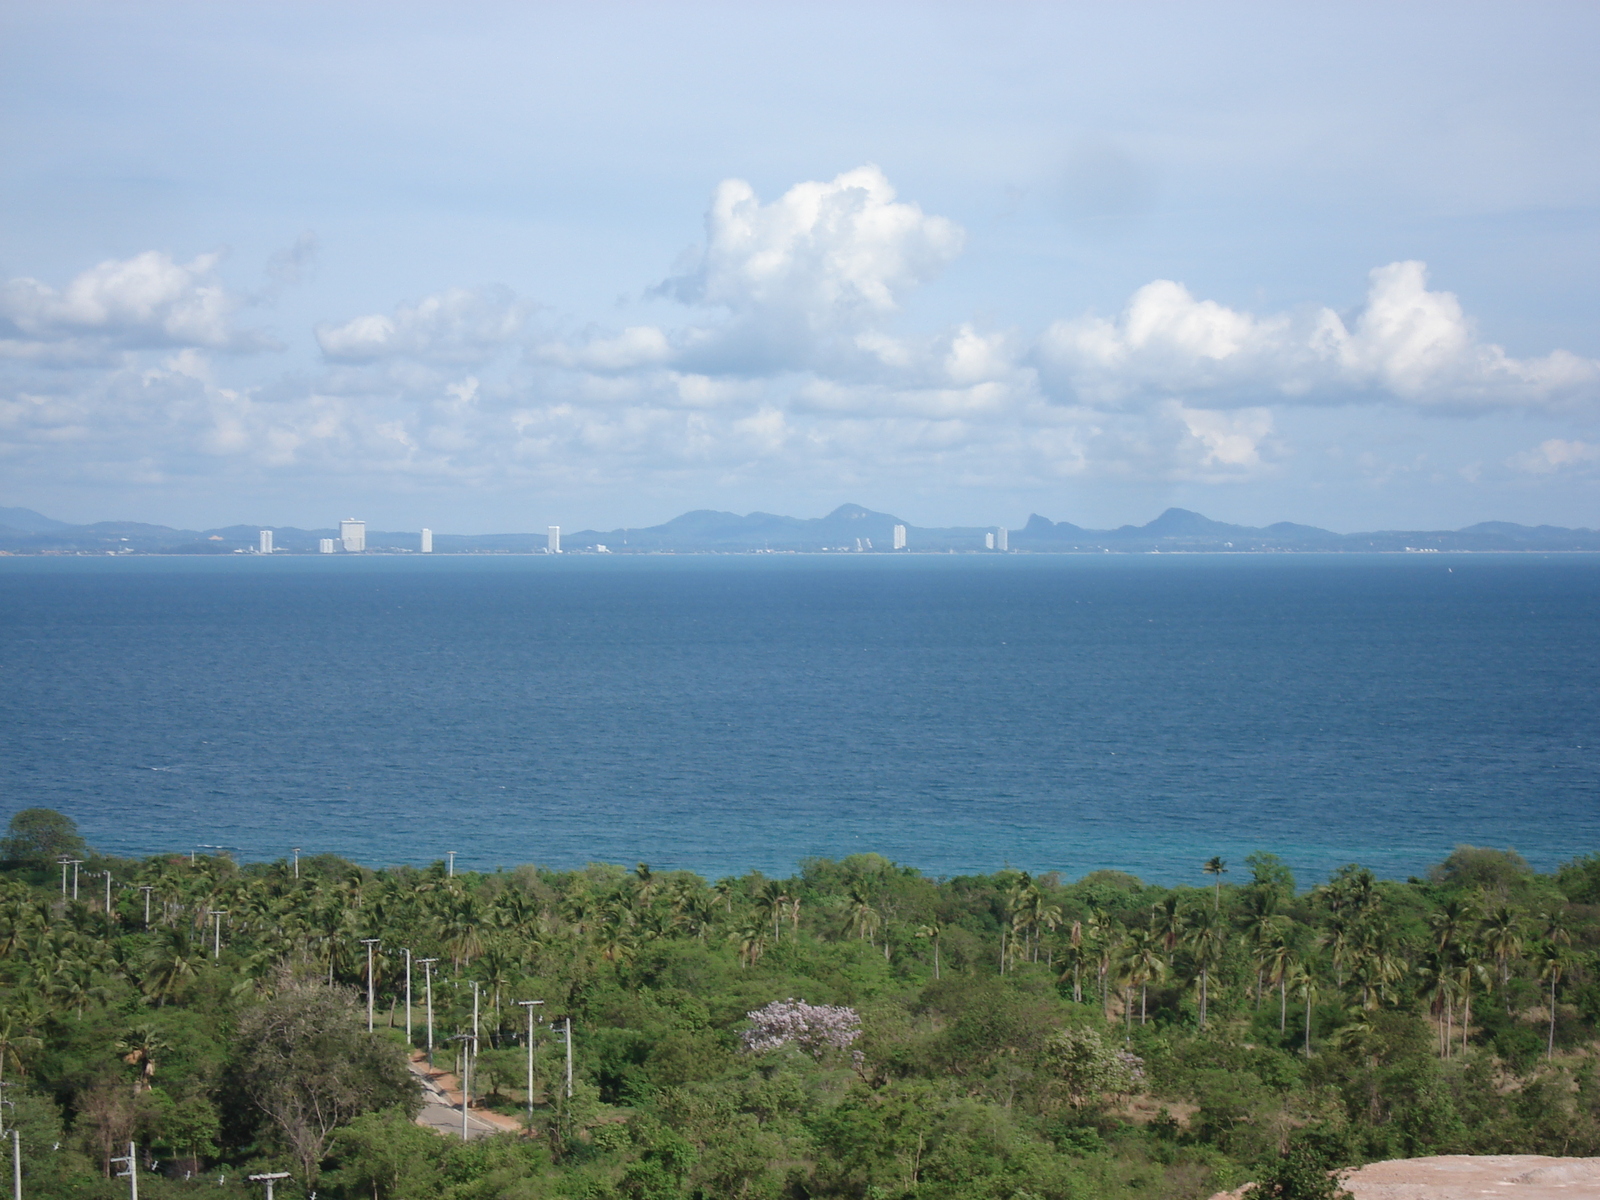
[147, 301]
[1407, 344]
[460, 325]
[789, 365]
[799, 276]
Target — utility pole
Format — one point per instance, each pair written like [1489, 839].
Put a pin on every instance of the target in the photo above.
[408, 1000]
[269, 1179]
[427, 971]
[76, 863]
[108, 895]
[369, 943]
[529, 1005]
[450, 871]
[63, 860]
[297, 876]
[474, 1014]
[16, 1165]
[216, 934]
[132, 1176]
[146, 889]
[466, 1076]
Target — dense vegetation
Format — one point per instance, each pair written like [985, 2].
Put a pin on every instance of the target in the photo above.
[989, 1036]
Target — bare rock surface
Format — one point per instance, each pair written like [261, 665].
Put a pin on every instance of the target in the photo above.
[1471, 1177]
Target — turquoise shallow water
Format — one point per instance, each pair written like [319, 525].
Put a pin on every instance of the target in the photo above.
[727, 713]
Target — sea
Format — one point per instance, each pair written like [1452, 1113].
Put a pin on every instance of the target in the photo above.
[728, 713]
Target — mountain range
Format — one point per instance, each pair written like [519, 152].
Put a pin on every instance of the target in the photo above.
[849, 527]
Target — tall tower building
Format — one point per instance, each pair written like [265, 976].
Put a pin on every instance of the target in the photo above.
[427, 541]
[555, 539]
[988, 541]
[1002, 539]
[353, 535]
[266, 541]
[325, 546]
[899, 537]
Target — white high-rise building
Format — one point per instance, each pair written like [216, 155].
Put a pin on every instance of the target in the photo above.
[554, 545]
[353, 535]
[427, 541]
[266, 541]
[325, 546]
[988, 541]
[1002, 539]
[899, 537]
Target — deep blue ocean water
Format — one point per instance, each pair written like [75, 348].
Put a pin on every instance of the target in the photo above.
[725, 713]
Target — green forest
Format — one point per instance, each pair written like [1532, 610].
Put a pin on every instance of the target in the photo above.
[856, 1030]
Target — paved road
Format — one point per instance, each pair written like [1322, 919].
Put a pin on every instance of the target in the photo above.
[441, 1109]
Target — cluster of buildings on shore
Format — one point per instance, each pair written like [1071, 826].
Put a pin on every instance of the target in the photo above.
[352, 539]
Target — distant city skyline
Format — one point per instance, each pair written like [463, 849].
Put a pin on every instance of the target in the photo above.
[604, 265]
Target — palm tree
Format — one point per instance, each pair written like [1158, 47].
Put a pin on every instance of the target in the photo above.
[15, 1024]
[1280, 959]
[1304, 985]
[1502, 937]
[861, 917]
[1143, 961]
[1207, 940]
[1552, 965]
[174, 959]
[1437, 987]
[139, 1048]
[1219, 868]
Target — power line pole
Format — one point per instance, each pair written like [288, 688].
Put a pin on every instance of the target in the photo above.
[369, 943]
[408, 1000]
[474, 1014]
[216, 936]
[269, 1179]
[63, 860]
[466, 1076]
[529, 1005]
[427, 972]
[76, 863]
[16, 1165]
[132, 1176]
[450, 871]
[108, 894]
[146, 889]
[297, 876]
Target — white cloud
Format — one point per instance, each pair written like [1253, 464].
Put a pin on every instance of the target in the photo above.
[1554, 455]
[459, 325]
[148, 300]
[822, 261]
[1406, 345]
[792, 371]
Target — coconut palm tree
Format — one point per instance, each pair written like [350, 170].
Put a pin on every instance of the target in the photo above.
[861, 917]
[1143, 962]
[1207, 939]
[1219, 868]
[1304, 985]
[1501, 933]
[1552, 959]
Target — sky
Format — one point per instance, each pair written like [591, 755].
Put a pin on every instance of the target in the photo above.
[488, 267]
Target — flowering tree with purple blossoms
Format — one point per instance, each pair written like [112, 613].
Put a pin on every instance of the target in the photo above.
[815, 1028]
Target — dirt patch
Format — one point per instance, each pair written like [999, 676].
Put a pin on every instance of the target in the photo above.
[1471, 1177]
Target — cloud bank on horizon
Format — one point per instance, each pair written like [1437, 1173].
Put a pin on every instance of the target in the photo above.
[832, 333]
[788, 360]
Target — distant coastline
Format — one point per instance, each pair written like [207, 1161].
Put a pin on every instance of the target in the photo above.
[848, 529]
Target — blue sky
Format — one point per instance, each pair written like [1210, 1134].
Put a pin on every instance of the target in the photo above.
[490, 267]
